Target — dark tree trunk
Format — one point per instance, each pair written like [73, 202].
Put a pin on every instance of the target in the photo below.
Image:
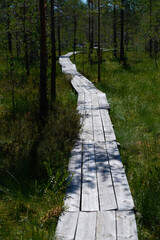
[150, 37]
[17, 45]
[115, 31]
[75, 34]
[99, 45]
[43, 63]
[25, 40]
[89, 21]
[89, 28]
[59, 35]
[11, 63]
[122, 58]
[53, 66]
[92, 22]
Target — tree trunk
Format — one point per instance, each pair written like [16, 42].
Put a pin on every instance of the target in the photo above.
[43, 63]
[59, 35]
[115, 31]
[89, 21]
[92, 22]
[150, 37]
[99, 45]
[11, 63]
[53, 66]
[25, 40]
[75, 34]
[122, 33]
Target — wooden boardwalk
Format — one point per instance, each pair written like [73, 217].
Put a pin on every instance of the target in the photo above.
[98, 202]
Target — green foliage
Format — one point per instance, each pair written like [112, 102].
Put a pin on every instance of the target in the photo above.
[133, 94]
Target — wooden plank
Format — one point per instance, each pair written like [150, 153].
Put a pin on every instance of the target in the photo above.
[90, 87]
[86, 229]
[89, 180]
[73, 195]
[82, 84]
[122, 190]
[126, 225]
[66, 227]
[95, 102]
[88, 101]
[87, 126]
[106, 226]
[107, 125]
[103, 103]
[97, 127]
[105, 185]
[113, 154]
[76, 86]
[80, 102]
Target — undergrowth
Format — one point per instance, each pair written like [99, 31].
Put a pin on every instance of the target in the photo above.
[33, 163]
[133, 94]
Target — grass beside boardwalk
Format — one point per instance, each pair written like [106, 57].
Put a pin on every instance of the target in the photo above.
[33, 165]
[134, 97]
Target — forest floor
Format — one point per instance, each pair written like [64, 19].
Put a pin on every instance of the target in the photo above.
[33, 164]
[133, 95]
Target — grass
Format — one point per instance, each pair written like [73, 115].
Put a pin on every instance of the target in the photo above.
[33, 164]
[133, 94]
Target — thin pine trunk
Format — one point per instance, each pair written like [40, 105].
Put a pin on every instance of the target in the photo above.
[75, 34]
[92, 23]
[99, 45]
[25, 41]
[43, 63]
[150, 37]
[53, 66]
[122, 58]
[59, 35]
[115, 31]
[10, 48]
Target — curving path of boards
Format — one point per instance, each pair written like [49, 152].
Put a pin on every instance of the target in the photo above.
[99, 204]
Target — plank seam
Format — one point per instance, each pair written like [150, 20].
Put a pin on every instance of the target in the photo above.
[81, 178]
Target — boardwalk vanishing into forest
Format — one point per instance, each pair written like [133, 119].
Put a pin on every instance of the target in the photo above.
[98, 202]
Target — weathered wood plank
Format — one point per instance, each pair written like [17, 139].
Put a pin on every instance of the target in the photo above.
[90, 87]
[122, 190]
[86, 229]
[66, 227]
[97, 127]
[88, 102]
[113, 154]
[103, 103]
[76, 86]
[107, 125]
[73, 195]
[105, 185]
[82, 84]
[81, 102]
[106, 226]
[87, 126]
[126, 225]
[95, 102]
[89, 180]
